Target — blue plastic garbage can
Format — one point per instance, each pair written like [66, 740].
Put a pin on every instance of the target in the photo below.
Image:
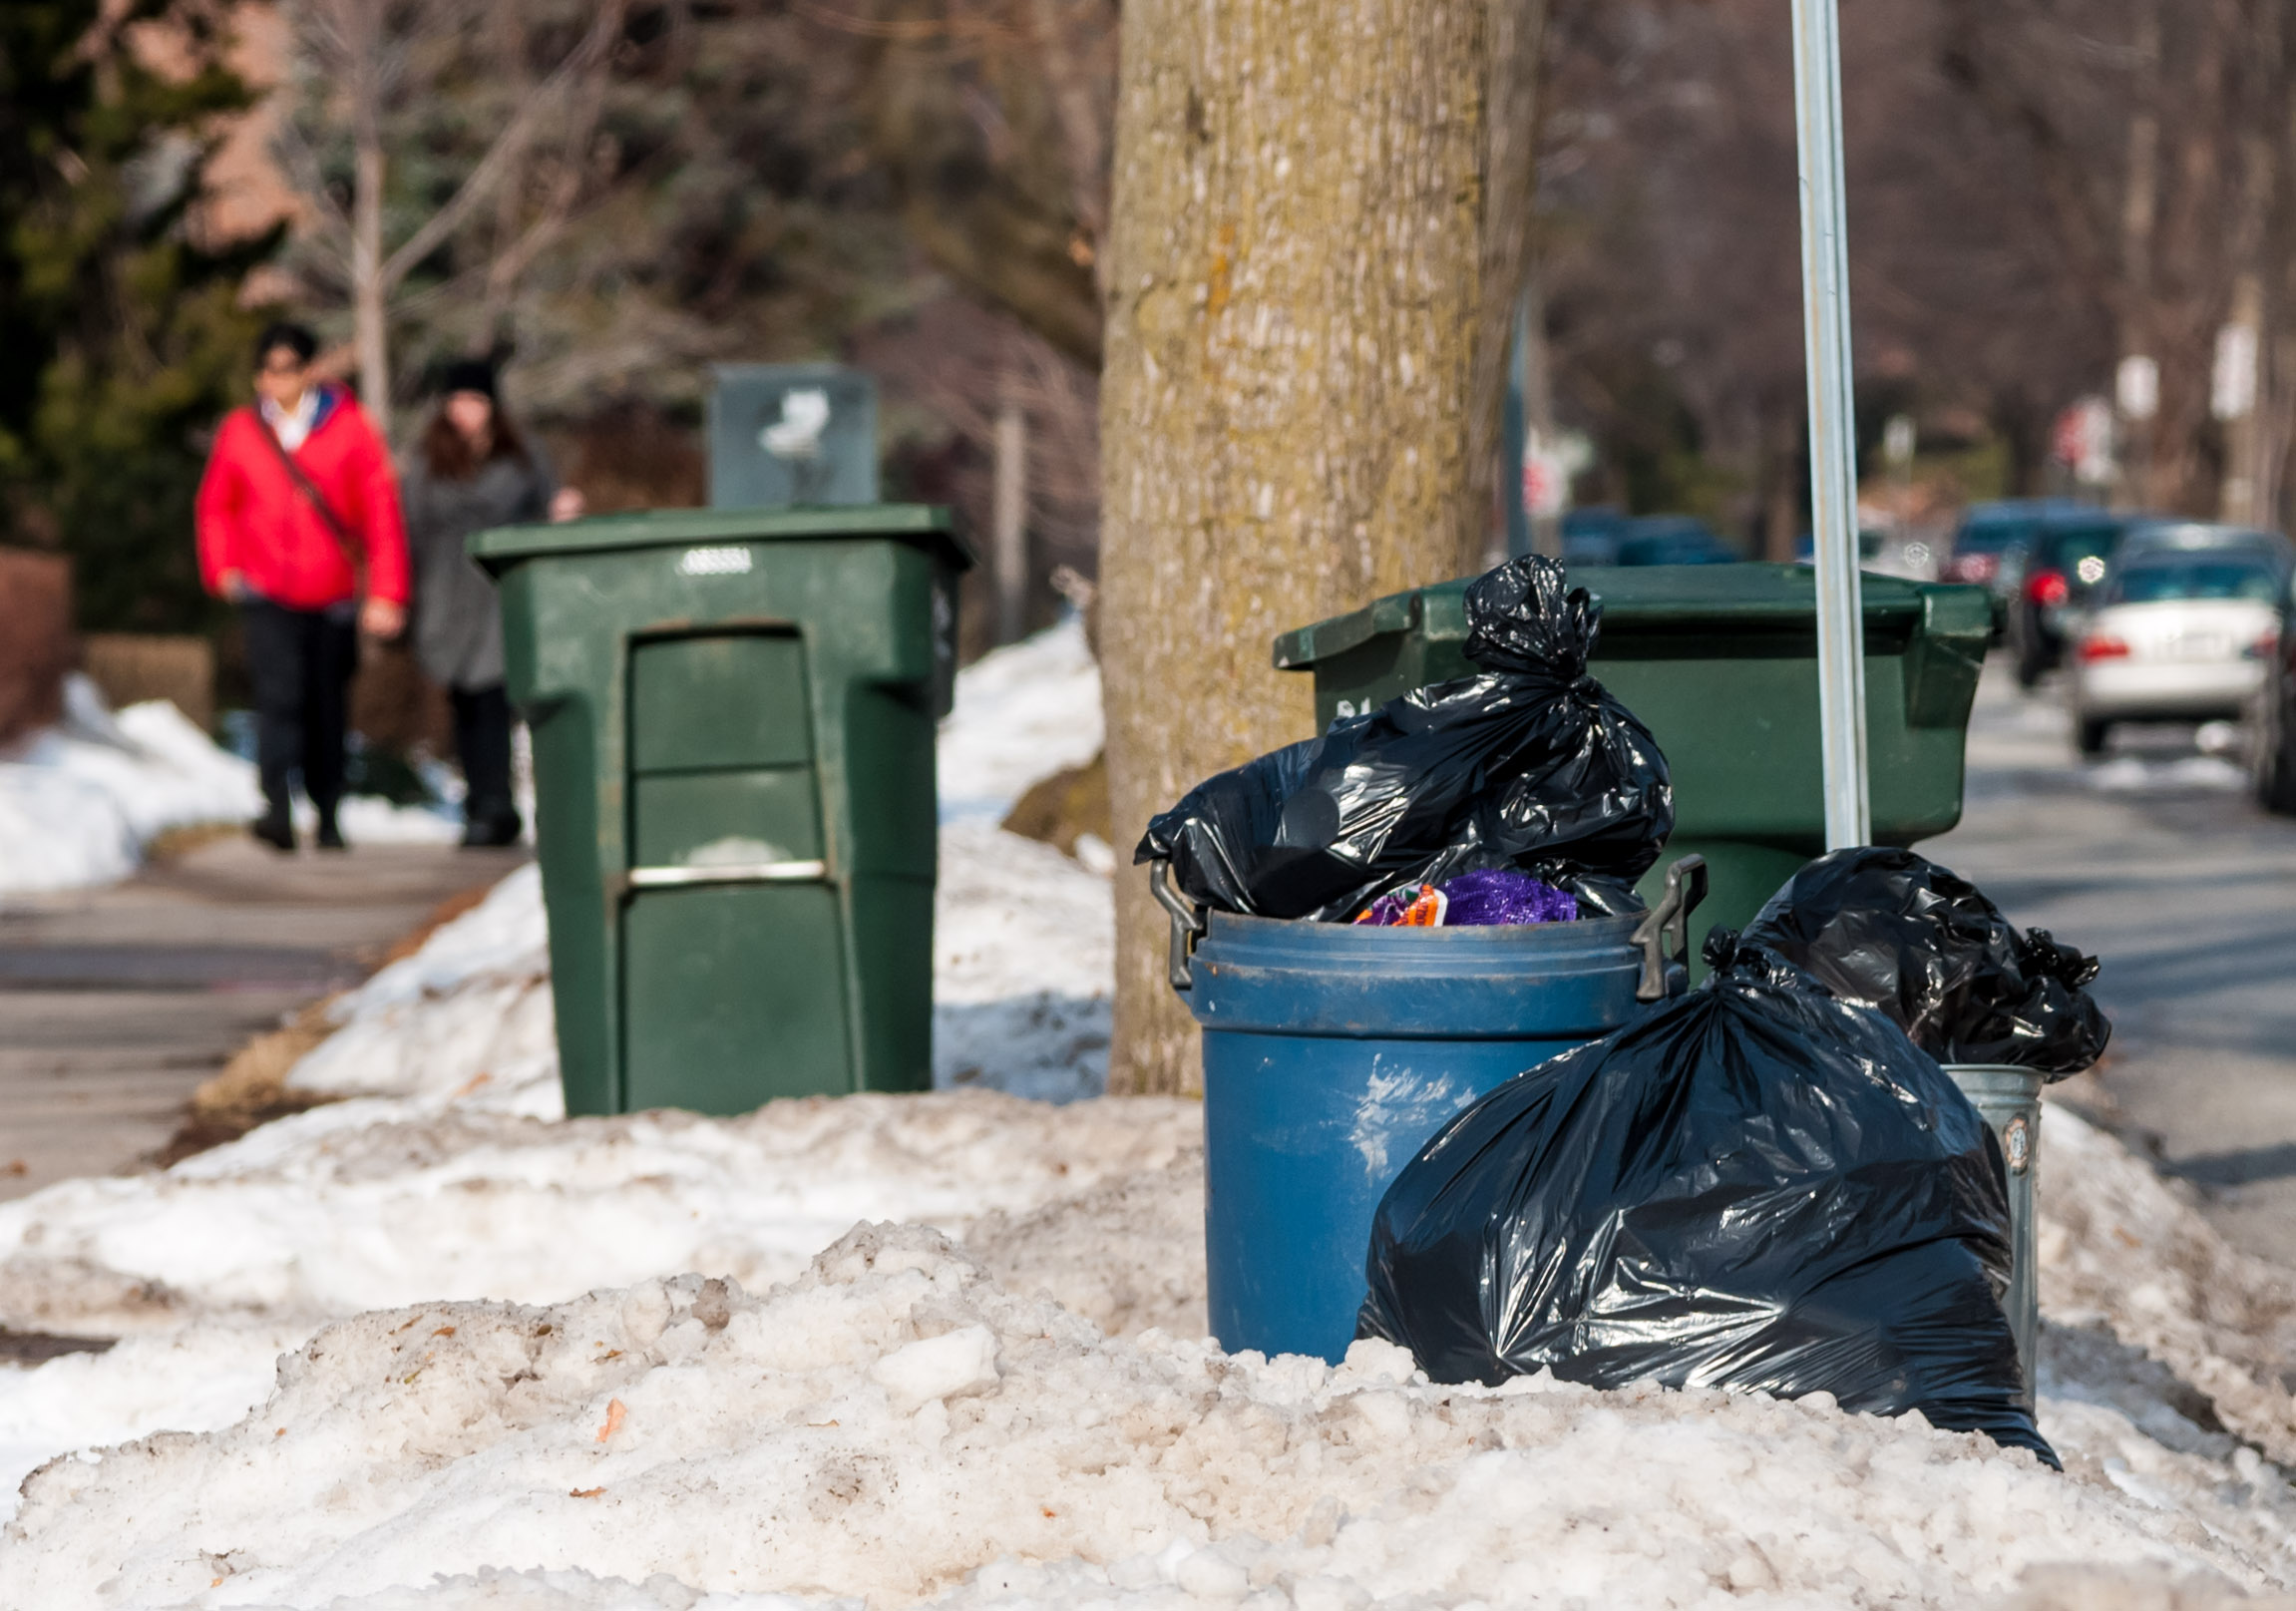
[1331, 1053]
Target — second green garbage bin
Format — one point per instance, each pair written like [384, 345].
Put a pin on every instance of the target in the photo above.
[1720, 662]
[733, 715]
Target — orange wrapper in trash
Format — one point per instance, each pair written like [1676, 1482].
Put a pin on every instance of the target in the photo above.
[1414, 906]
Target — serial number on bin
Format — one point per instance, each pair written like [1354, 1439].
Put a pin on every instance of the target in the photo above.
[714, 562]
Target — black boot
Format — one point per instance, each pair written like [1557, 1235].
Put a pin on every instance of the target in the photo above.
[331, 836]
[489, 827]
[275, 829]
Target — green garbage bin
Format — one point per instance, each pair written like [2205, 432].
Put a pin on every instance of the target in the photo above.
[734, 716]
[1721, 661]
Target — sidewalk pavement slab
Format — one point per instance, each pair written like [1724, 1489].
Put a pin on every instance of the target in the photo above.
[115, 1002]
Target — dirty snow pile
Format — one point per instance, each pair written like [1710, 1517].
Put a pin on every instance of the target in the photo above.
[453, 1174]
[897, 1425]
[79, 801]
[603, 1364]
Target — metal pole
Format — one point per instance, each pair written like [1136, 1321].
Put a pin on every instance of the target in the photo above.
[1515, 428]
[1832, 420]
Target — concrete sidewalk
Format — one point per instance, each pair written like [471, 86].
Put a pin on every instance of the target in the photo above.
[115, 1002]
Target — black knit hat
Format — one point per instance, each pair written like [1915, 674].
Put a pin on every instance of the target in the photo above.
[468, 376]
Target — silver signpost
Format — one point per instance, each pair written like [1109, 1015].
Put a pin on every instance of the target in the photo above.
[1832, 419]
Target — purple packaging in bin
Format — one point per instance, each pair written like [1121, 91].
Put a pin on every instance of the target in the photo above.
[1478, 900]
[1501, 894]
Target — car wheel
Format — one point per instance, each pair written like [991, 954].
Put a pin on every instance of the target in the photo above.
[2090, 735]
[2276, 770]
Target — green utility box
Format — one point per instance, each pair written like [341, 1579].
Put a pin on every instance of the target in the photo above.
[734, 716]
[1720, 662]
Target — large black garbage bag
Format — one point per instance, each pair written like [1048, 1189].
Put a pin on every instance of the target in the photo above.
[1753, 1186]
[1897, 932]
[1527, 764]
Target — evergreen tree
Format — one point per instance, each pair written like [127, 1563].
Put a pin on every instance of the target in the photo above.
[120, 336]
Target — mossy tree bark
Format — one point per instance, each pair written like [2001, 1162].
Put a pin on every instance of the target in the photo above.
[1317, 233]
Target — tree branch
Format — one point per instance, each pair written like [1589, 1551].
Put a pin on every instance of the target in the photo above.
[442, 225]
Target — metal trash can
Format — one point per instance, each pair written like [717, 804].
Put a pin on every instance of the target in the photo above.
[1332, 1052]
[1720, 662]
[2009, 1100]
[734, 716]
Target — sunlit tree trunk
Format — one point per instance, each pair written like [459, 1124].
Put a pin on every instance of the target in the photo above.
[1316, 238]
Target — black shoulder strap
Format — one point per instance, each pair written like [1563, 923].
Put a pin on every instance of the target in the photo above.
[311, 492]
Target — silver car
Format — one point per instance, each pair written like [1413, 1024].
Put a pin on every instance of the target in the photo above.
[2175, 635]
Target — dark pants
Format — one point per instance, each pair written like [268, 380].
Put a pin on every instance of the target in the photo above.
[300, 661]
[483, 742]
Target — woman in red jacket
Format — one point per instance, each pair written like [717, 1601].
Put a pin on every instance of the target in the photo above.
[298, 515]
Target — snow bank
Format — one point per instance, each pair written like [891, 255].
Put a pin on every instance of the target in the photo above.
[1023, 958]
[79, 801]
[1023, 1421]
[2122, 1255]
[598, 1364]
[894, 1426]
[367, 1205]
[1024, 961]
[1022, 714]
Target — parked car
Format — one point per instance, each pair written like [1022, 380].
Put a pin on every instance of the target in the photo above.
[2050, 577]
[1872, 543]
[1590, 536]
[1987, 530]
[1672, 539]
[2273, 717]
[2148, 538]
[2176, 635]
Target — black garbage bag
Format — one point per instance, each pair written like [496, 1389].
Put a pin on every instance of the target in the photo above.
[1528, 764]
[1892, 931]
[1753, 1186]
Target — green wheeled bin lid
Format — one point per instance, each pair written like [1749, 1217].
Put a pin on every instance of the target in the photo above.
[927, 524]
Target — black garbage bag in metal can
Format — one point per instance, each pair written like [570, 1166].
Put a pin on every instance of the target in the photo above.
[1923, 946]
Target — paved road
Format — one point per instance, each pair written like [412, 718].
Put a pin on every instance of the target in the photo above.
[2158, 862]
[115, 1002]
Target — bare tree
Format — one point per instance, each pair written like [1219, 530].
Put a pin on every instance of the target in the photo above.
[2158, 133]
[366, 58]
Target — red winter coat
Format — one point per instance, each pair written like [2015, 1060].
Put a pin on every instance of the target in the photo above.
[252, 519]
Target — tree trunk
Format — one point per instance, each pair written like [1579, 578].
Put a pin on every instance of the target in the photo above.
[2140, 211]
[1315, 243]
[370, 331]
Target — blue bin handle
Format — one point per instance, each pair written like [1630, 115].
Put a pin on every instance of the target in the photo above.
[1187, 923]
[1670, 920]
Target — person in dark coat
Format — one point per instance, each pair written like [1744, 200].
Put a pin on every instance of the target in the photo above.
[473, 471]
